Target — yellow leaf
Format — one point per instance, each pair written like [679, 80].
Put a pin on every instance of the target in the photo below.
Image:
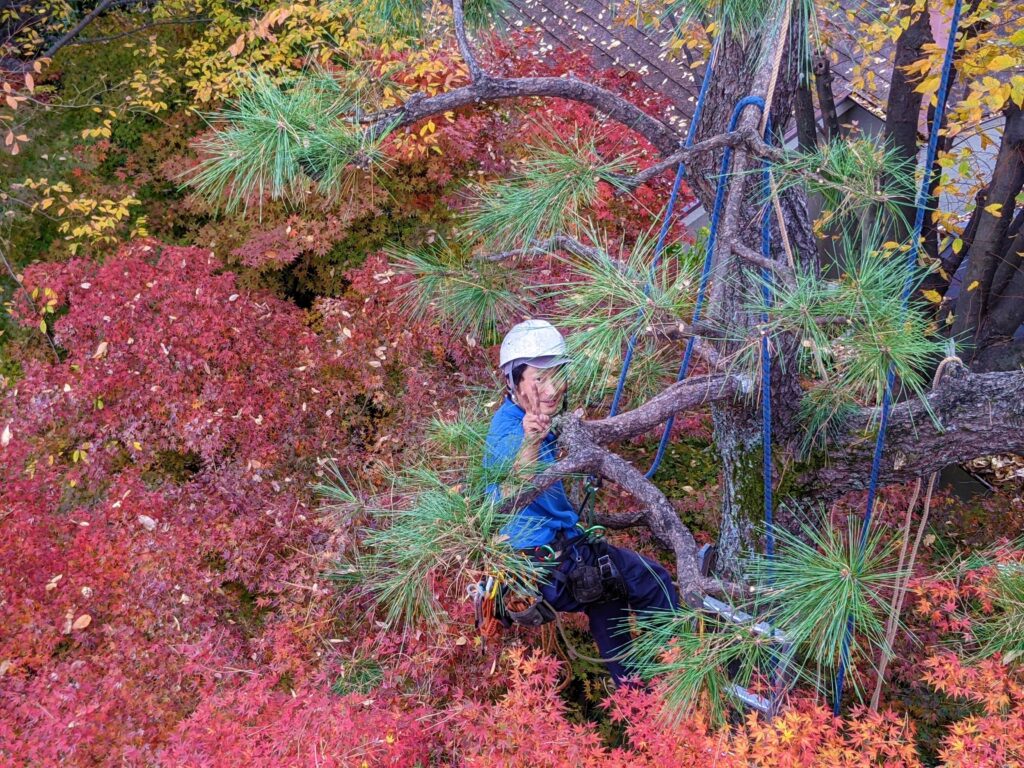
[42, 325]
[996, 209]
[933, 296]
[972, 286]
[1003, 61]
[958, 245]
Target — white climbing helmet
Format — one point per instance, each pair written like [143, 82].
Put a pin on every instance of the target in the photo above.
[536, 342]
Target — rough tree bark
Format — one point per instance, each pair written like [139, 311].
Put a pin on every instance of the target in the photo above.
[982, 315]
[904, 103]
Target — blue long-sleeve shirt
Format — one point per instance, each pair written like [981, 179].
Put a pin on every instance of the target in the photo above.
[551, 511]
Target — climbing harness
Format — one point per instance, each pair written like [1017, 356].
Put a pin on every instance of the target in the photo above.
[915, 245]
[498, 606]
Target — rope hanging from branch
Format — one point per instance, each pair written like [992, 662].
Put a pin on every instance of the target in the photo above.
[915, 245]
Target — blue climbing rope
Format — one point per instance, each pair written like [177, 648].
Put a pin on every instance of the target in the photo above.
[766, 359]
[716, 214]
[659, 246]
[915, 246]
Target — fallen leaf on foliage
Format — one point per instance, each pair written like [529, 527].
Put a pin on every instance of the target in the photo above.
[5, 438]
[147, 522]
[82, 621]
[101, 350]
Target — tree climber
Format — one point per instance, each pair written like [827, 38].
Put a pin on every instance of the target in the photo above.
[585, 573]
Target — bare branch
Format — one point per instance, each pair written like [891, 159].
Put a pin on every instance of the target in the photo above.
[681, 396]
[72, 33]
[659, 515]
[749, 255]
[139, 29]
[475, 72]
[680, 331]
[490, 89]
[747, 139]
[583, 459]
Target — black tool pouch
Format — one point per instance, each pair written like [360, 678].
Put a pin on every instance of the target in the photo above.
[537, 613]
[586, 584]
[597, 583]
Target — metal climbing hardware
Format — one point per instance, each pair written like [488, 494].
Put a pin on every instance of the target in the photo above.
[766, 705]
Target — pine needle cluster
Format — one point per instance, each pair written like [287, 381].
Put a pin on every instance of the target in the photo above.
[284, 140]
[608, 301]
[999, 629]
[820, 583]
[855, 178]
[852, 331]
[1002, 631]
[546, 196]
[474, 296]
[434, 530]
[699, 659]
[823, 583]
[414, 19]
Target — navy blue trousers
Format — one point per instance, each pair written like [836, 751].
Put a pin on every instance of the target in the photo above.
[648, 587]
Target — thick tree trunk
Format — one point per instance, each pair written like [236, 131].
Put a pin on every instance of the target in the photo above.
[904, 105]
[976, 300]
[737, 424]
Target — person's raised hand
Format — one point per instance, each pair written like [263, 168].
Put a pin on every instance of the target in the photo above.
[536, 424]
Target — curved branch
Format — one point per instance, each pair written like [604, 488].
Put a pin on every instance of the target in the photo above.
[747, 139]
[660, 516]
[583, 459]
[752, 257]
[72, 33]
[419, 107]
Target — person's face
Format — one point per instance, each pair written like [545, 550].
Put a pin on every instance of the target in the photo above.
[543, 386]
